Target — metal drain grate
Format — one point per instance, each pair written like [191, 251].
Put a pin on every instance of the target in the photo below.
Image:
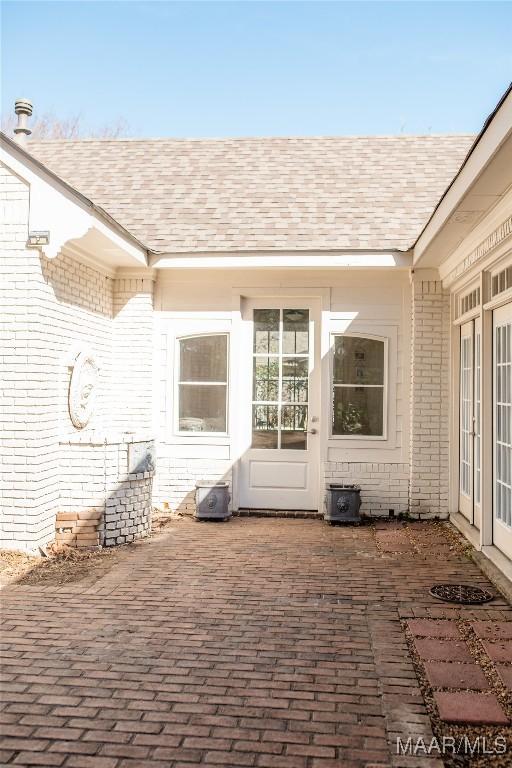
[466, 594]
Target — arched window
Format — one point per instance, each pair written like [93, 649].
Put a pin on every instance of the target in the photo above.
[359, 386]
[203, 383]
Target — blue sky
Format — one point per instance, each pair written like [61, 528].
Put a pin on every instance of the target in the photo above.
[260, 68]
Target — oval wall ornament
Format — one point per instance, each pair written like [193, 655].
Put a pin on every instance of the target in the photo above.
[82, 389]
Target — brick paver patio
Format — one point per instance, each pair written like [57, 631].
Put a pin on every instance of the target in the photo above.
[259, 642]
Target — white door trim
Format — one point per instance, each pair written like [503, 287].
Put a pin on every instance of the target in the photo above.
[238, 296]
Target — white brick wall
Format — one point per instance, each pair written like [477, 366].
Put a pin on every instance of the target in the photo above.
[95, 478]
[429, 398]
[48, 306]
[133, 353]
[384, 487]
[176, 478]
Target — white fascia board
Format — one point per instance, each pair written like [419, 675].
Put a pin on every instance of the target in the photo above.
[489, 142]
[282, 259]
[68, 216]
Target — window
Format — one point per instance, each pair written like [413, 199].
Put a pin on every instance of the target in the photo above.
[359, 375]
[203, 389]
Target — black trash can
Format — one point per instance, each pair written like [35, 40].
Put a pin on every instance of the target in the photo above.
[212, 501]
[343, 503]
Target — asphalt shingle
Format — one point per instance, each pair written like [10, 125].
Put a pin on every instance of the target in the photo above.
[263, 194]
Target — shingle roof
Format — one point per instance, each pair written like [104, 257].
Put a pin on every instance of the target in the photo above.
[183, 195]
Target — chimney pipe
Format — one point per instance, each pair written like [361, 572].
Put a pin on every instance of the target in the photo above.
[23, 108]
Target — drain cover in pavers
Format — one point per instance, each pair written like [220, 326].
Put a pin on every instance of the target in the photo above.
[449, 674]
[500, 650]
[433, 628]
[506, 675]
[493, 630]
[469, 707]
[442, 650]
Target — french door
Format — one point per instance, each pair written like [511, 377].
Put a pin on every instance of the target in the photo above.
[281, 370]
[470, 422]
[502, 428]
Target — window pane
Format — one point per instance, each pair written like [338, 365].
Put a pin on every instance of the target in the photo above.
[265, 378]
[204, 358]
[358, 411]
[295, 331]
[294, 419]
[295, 379]
[358, 361]
[266, 331]
[202, 408]
[264, 426]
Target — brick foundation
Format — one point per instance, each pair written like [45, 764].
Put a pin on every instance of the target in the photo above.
[79, 529]
[102, 502]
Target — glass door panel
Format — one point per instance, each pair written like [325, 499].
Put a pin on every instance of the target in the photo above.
[466, 380]
[281, 368]
[502, 522]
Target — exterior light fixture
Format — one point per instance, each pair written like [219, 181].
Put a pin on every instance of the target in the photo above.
[38, 238]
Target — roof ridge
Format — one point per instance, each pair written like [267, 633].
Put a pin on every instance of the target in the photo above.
[130, 139]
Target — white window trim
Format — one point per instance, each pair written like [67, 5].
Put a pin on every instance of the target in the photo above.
[177, 382]
[385, 395]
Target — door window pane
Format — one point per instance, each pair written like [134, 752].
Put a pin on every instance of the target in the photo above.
[202, 390]
[266, 331]
[265, 378]
[265, 421]
[296, 331]
[358, 386]
[293, 427]
[295, 379]
[358, 411]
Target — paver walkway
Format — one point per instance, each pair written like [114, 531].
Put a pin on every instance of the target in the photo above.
[259, 642]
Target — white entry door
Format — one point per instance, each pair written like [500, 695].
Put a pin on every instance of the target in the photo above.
[280, 454]
[469, 421]
[502, 409]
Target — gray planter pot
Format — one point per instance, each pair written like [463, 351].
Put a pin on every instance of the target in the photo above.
[343, 503]
[212, 501]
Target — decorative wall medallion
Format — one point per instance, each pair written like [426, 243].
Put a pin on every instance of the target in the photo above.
[82, 389]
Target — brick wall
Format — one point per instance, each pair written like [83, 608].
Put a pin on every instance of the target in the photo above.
[384, 487]
[15, 275]
[100, 501]
[47, 308]
[429, 398]
[133, 352]
[50, 310]
[176, 478]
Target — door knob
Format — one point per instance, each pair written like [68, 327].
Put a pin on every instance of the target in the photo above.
[311, 431]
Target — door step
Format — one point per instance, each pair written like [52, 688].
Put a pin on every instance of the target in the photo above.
[294, 513]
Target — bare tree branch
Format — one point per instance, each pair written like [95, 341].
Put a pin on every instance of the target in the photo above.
[49, 126]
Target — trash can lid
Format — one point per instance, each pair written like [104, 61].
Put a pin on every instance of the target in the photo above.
[344, 487]
[206, 484]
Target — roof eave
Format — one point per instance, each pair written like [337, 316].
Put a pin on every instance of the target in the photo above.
[27, 159]
[497, 129]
